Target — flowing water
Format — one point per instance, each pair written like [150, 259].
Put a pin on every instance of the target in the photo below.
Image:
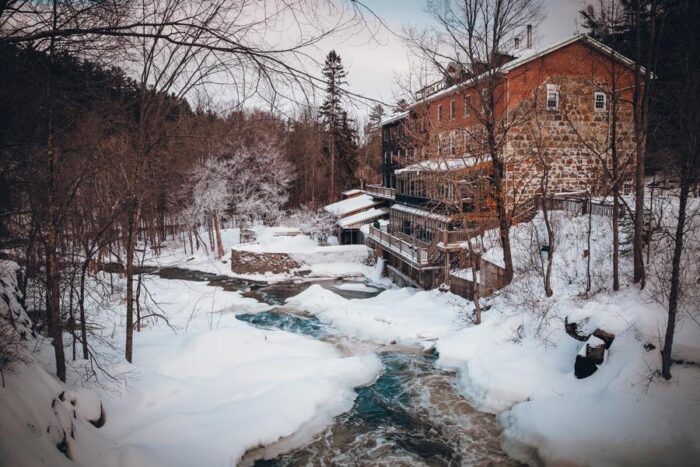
[412, 414]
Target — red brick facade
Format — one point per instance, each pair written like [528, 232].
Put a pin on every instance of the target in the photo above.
[574, 138]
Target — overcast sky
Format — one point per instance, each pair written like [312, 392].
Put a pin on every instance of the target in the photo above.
[374, 65]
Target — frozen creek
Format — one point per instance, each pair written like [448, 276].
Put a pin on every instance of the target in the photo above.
[412, 415]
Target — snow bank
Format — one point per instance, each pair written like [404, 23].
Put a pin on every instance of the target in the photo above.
[212, 387]
[201, 391]
[520, 362]
[595, 430]
[38, 413]
[398, 315]
[206, 398]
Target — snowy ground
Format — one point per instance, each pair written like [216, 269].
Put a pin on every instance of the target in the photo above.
[317, 261]
[212, 387]
[520, 363]
[201, 391]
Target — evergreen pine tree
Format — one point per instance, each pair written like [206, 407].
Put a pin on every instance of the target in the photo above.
[341, 141]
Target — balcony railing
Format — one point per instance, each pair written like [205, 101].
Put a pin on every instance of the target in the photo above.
[452, 237]
[417, 255]
[381, 191]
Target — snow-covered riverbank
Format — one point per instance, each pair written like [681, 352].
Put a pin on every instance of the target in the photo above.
[206, 387]
[201, 391]
[520, 362]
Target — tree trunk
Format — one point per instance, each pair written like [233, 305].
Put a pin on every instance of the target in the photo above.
[132, 223]
[550, 253]
[53, 298]
[219, 242]
[675, 280]
[614, 156]
[53, 307]
[476, 295]
[83, 326]
[331, 194]
[588, 245]
[640, 103]
[502, 213]
[616, 242]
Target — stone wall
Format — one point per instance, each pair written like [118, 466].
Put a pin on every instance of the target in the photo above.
[570, 145]
[246, 262]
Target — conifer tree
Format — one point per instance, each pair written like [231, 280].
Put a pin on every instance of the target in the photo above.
[341, 143]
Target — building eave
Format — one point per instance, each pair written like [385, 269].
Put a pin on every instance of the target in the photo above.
[518, 62]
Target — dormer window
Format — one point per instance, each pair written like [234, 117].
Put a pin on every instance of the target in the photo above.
[552, 97]
[599, 103]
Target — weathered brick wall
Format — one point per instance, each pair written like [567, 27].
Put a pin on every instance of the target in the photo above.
[574, 138]
[571, 145]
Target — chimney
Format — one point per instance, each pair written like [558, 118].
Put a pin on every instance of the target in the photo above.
[529, 36]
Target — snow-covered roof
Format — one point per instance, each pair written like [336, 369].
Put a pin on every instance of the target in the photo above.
[466, 274]
[364, 217]
[351, 205]
[353, 192]
[420, 212]
[394, 118]
[442, 165]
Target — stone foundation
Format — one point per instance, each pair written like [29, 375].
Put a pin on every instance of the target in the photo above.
[247, 262]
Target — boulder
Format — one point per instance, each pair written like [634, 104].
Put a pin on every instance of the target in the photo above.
[605, 336]
[589, 357]
[574, 329]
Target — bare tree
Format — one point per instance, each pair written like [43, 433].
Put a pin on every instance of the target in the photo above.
[482, 32]
[682, 95]
[646, 55]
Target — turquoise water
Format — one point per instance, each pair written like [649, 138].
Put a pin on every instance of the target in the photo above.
[306, 325]
[412, 414]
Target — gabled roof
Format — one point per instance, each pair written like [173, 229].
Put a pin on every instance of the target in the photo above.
[351, 205]
[364, 217]
[394, 118]
[528, 55]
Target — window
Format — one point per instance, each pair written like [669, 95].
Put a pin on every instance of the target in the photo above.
[467, 105]
[599, 102]
[552, 97]
[452, 143]
[439, 112]
[453, 109]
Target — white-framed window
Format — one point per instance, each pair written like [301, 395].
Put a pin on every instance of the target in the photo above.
[467, 105]
[600, 102]
[452, 142]
[453, 109]
[439, 113]
[552, 97]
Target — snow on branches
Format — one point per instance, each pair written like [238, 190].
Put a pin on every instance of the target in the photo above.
[248, 181]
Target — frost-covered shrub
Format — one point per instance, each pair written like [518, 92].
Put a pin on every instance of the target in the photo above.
[249, 181]
[317, 224]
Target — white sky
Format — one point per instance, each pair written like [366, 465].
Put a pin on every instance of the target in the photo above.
[374, 65]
